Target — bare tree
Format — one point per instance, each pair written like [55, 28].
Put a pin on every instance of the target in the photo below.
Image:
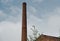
[35, 34]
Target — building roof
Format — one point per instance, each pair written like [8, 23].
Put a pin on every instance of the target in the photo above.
[47, 36]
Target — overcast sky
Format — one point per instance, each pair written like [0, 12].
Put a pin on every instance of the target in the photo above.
[44, 14]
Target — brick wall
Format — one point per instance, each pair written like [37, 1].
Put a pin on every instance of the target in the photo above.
[48, 38]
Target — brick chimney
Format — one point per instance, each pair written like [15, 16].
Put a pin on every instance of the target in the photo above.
[24, 22]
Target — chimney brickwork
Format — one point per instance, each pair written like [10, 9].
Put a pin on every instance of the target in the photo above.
[24, 22]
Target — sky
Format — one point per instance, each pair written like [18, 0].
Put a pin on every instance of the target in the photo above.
[44, 14]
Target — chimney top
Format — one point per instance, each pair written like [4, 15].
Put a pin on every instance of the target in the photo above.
[24, 3]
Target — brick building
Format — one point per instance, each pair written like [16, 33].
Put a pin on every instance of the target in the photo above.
[47, 38]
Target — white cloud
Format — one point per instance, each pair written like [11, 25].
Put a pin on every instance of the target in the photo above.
[32, 17]
[57, 10]
[7, 2]
[33, 20]
[37, 1]
[52, 26]
[32, 10]
[10, 31]
[3, 16]
[54, 20]
[2, 13]
[4, 1]
[14, 14]
[15, 10]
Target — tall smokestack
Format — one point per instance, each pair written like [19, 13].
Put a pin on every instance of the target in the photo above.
[24, 22]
